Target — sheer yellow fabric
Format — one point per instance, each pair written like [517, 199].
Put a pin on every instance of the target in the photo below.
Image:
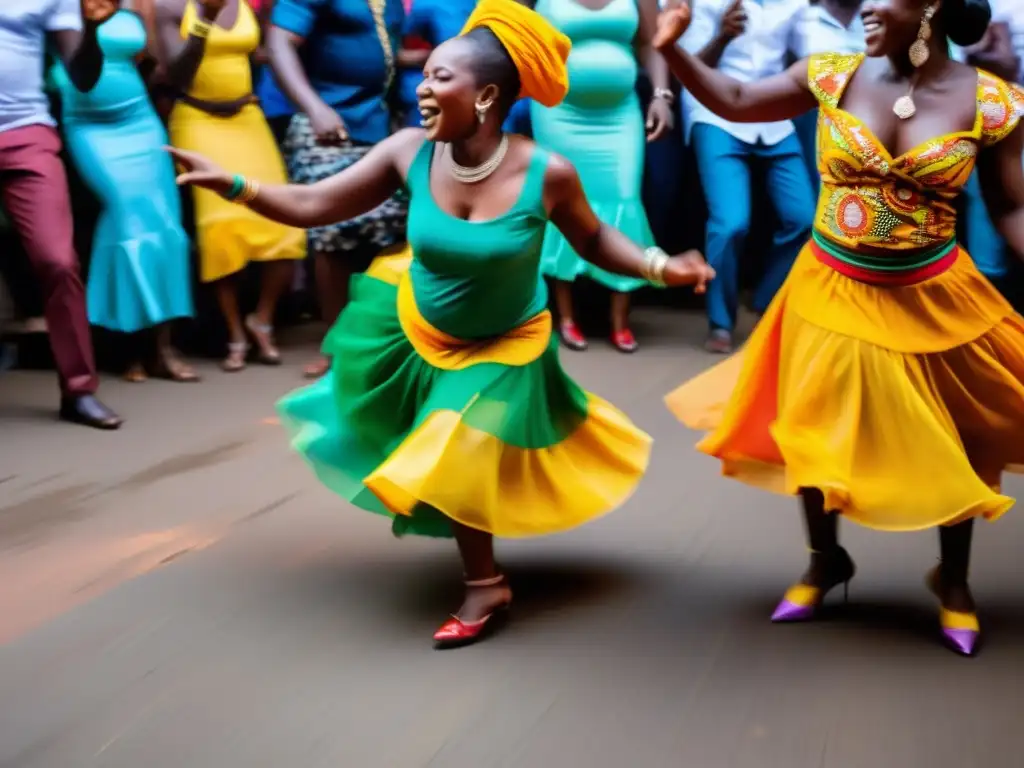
[591, 472]
[902, 406]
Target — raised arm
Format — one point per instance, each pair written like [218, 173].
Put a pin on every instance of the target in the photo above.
[781, 97]
[1002, 185]
[181, 58]
[359, 188]
[605, 246]
[72, 26]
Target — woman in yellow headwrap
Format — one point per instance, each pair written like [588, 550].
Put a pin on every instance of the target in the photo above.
[446, 408]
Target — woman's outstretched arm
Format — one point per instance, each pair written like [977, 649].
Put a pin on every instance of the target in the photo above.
[605, 246]
[359, 188]
[781, 97]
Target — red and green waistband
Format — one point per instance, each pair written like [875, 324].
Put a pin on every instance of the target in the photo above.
[897, 269]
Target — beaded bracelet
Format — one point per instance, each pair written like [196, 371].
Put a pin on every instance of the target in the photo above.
[249, 192]
[237, 187]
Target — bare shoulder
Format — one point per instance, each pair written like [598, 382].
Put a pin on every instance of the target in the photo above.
[406, 140]
[560, 172]
[402, 147]
[561, 182]
[964, 75]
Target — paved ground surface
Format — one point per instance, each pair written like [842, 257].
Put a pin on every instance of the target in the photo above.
[182, 594]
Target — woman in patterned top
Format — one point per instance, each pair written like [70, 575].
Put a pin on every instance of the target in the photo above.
[886, 381]
[336, 61]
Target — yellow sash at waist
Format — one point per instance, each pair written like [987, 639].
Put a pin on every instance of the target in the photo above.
[517, 347]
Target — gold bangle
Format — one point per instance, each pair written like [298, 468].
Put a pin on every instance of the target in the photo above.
[655, 261]
[249, 192]
[200, 29]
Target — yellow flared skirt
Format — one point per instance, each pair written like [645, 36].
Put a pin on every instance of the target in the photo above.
[903, 405]
[229, 235]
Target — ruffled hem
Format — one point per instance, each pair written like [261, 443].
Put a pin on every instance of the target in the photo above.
[141, 283]
[227, 244]
[560, 261]
[897, 441]
[515, 450]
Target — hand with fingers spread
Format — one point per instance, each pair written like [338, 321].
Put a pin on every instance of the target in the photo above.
[199, 171]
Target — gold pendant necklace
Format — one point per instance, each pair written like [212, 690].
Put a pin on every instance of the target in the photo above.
[904, 108]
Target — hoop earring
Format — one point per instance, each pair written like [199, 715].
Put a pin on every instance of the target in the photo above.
[919, 51]
[481, 112]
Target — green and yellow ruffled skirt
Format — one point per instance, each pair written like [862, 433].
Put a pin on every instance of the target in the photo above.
[426, 429]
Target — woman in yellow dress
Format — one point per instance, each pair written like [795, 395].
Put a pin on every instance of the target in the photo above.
[885, 383]
[206, 46]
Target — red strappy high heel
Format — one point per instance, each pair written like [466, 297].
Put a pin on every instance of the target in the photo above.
[455, 632]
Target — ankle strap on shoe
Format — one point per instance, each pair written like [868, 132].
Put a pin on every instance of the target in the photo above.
[491, 582]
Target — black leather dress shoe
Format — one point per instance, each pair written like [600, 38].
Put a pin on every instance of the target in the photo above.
[88, 411]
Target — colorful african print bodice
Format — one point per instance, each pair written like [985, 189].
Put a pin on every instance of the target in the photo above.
[870, 198]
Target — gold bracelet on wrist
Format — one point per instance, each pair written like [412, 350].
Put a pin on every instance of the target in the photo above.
[655, 261]
[200, 29]
[249, 192]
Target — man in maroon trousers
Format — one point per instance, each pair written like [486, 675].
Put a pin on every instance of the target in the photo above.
[33, 184]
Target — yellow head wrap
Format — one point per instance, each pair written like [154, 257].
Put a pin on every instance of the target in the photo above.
[537, 48]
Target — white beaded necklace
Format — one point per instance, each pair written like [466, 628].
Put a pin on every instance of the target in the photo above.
[480, 172]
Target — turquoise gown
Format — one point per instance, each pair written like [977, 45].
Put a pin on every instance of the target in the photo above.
[599, 128]
[139, 274]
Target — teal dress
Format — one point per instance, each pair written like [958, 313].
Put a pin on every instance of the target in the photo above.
[599, 128]
[446, 400]
[139, 274]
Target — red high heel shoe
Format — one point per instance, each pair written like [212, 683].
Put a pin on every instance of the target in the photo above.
[625, 341]
[572, 337]
[455, 632]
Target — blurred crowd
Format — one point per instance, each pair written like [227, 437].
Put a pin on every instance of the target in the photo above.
[96, 233]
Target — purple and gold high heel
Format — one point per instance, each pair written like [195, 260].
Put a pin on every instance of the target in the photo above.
[801, 601]
[960, 631]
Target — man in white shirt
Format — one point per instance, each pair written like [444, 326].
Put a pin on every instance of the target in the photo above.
[749, 40]
[827, 26]
[1010, 15]
[34, 186]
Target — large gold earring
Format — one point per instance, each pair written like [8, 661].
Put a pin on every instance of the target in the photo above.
[919, 51]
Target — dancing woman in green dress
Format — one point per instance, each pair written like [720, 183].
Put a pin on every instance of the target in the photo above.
[446, 408]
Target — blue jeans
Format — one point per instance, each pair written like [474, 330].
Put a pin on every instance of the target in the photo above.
[807, 130]
[723, 162]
